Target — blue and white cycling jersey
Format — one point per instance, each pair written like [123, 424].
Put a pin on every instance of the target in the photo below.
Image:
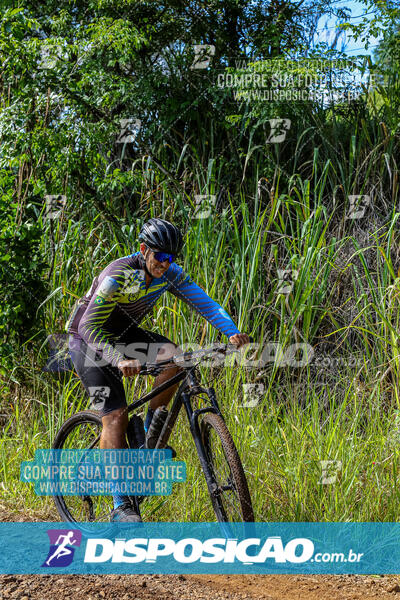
[118, 300]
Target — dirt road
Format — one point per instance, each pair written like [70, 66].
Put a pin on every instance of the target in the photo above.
[198, 587]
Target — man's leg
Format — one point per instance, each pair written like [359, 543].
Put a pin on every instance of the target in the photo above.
[115, 424]
[114, 411]
[113, 435]
[163, 398]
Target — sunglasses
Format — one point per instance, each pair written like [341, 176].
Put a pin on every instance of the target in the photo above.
[163, 256]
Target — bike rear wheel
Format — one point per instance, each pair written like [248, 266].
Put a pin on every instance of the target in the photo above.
[81, 432]
[228, 487]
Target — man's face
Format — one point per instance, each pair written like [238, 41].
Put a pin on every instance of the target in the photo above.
[157, 269]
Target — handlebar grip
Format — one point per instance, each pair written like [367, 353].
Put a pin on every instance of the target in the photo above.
[149, 370]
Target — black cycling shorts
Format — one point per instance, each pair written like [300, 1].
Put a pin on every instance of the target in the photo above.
[103, 381]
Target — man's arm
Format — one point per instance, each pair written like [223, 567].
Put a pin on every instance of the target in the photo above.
[92, 324]
[186, 289]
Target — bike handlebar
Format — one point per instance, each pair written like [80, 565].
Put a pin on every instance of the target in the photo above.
[156, 368]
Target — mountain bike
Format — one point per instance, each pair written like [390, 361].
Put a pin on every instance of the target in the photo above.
[219, 459]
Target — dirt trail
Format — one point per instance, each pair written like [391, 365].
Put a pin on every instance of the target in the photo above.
[198, 587]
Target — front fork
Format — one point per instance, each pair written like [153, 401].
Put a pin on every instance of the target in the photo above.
[193, 388]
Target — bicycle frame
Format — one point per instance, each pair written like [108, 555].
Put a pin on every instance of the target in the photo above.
[189, 388]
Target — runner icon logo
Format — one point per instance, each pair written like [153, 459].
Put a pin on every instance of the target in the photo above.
[98, 395]
[61, 552]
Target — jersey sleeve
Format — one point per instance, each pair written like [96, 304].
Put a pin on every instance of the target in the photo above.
[92, 328]
[186, 289]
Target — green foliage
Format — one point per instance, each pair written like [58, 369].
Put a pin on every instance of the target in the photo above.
[22, 272]
[70, 73]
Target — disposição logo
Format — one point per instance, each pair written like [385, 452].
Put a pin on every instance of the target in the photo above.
[190, 550]
[62, 542]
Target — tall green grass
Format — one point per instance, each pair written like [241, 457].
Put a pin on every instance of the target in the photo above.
[344, 303]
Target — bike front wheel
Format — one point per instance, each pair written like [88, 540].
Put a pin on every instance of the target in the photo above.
[227, 486]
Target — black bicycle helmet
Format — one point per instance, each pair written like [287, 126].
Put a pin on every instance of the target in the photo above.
[161, 235]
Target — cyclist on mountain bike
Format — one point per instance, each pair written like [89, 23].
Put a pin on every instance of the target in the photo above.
[105, 324]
